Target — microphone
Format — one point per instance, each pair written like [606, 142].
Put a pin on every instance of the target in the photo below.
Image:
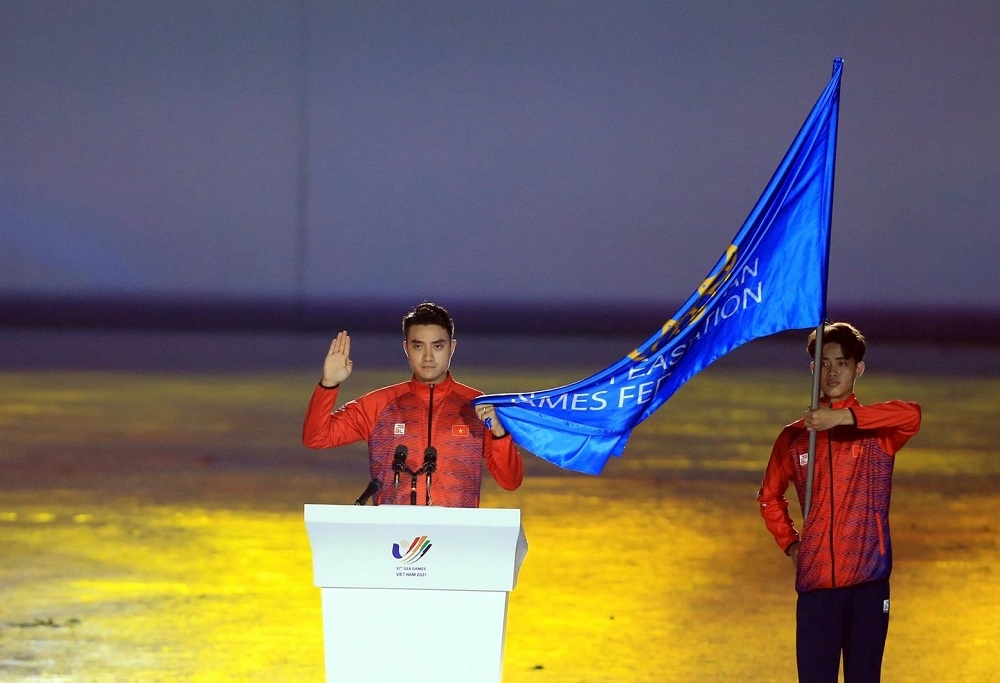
[399, 462]
[430, 459]
[430, 464]
[374, 486]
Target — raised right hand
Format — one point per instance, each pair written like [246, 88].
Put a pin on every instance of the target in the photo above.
[337, 365]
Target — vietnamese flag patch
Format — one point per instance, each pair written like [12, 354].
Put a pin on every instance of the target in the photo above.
[459, 430]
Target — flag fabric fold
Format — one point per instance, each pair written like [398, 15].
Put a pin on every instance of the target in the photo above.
[770, 279]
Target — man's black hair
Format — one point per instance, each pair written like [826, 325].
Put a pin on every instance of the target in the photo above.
[851, 341]
[428, 313]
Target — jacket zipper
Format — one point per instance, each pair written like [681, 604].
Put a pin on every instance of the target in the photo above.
[430, 417]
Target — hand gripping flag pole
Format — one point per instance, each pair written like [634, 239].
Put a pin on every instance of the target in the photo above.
[770, 279]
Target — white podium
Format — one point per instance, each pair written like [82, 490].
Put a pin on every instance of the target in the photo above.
[414, 593]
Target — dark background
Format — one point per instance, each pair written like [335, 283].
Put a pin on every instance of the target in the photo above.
[564, 167]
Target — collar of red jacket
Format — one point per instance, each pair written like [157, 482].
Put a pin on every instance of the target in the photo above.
[424, 390]
[847, 402]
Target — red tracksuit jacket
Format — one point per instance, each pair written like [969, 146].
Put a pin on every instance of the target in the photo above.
[845, 540]
[417, 415]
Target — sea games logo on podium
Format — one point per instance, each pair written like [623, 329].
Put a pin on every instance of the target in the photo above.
[408, 559]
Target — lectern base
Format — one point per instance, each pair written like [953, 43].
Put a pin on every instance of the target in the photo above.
[375, 635]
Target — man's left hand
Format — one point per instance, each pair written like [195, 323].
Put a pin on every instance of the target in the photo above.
[488, 412]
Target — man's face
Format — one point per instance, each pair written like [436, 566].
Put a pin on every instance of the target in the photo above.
[429, 351]
[837, 372]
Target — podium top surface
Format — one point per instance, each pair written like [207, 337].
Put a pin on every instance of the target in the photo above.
[415, 547]
[411, 514]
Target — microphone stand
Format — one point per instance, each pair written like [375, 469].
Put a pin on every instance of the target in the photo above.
[428, 468]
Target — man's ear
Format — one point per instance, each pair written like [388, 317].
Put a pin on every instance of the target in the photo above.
[812, 367]
[861, 369]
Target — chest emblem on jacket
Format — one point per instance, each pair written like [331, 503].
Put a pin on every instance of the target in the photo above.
[459, 430]
[399, 428]
[803, 459]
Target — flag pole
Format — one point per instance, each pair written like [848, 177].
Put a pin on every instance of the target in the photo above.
[811, 465]
[818, 353]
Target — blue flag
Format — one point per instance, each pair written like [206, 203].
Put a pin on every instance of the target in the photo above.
[771, 278]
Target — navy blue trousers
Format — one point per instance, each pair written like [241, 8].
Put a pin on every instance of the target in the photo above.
[852, 622]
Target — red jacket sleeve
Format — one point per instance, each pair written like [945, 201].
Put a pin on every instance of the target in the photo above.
[323, 428]
[771, 497]
[503, 460]
[896, 421]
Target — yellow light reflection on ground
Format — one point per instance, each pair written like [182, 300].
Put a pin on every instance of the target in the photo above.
[155, 533]
[161, 593]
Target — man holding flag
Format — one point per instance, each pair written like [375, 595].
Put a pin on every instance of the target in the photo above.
[773, 277]
[843, 556]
